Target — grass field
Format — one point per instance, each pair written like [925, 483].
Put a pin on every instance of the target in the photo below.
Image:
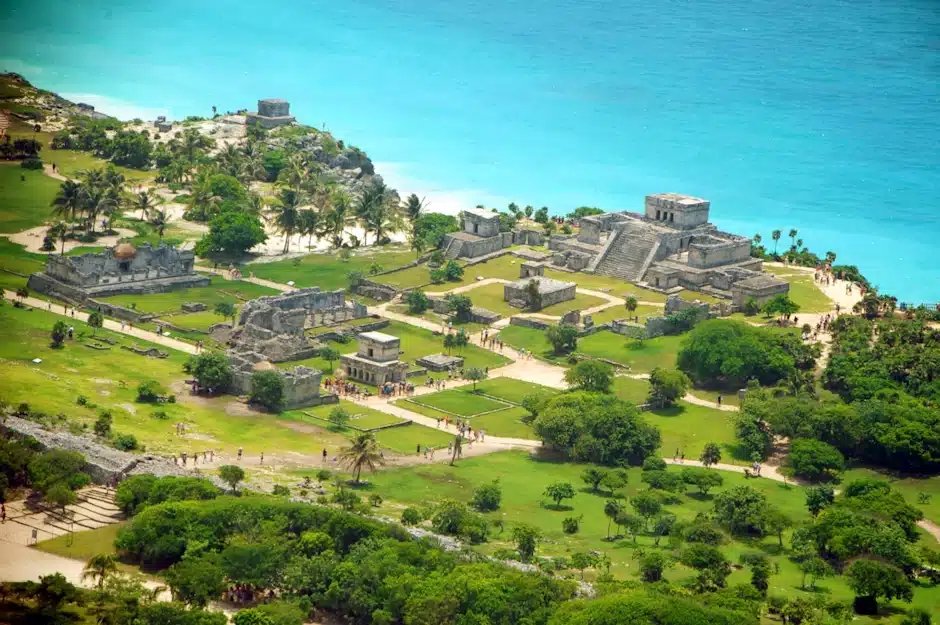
[631, 390]
[810, 298]
[24, 204]
[86, 544]
[506, 267]
[219, 291]
[619, 312]
[493, 409]
[687, 428]
[16, 264]
[202, 320]
[524, 478]
[362, 417]
[328, 271]
[490, 296]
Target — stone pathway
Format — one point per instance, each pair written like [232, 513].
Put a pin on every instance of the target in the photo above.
[114, 326]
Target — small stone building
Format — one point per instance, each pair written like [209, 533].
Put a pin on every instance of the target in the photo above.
[119, 270]
[551, 291]
[377, 360]
[440, 362]
[272, 112]
[761, 288]
[481, 222]
[530, 269]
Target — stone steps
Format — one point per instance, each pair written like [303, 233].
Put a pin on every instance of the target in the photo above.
[626, 257]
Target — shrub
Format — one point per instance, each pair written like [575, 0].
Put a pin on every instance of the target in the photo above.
[571, 525]
[149, 391]
[411, 516]
[280, 490]
[487, 498]
[815, 460]
[453, 271]
[103, 423]
[375, 500]
[654, 463]
[338, 418]
[417, 302]
[82, 400]
[31, 163]
[159, 414]
[125, 442]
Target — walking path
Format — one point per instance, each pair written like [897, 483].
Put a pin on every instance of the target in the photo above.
[114, 326]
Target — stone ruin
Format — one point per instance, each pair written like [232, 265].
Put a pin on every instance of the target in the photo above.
[119, 270]
[551, 291]
[272, 112]
[271, 329]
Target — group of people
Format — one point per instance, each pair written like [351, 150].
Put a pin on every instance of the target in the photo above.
[342, 388]
[243, 593]
[491, 341]
[207, 457]
[397, 389]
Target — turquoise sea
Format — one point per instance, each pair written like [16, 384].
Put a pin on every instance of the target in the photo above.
[819, 115]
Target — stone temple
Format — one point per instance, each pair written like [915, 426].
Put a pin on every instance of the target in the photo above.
[272, 113]
[550, 291]
[272, 329]
[119, 270]
[668, 247]
[376, 361]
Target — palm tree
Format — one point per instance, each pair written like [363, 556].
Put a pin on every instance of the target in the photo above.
[458, 449]
[792, 234]
[145, 202]
[99, 568]
[286, 210]
[375, 208]
[253, 166]
[775, 235]
[255, 203]
[799, 244]
[758, 238]
[308, 223]
[631, 303]
[414, 207]
[97, 200]
[68, 201]
[61, 231]
[231, 161]
[158, 221]
[294, 173]
[363, 452]
[192, 145]
[338, 217]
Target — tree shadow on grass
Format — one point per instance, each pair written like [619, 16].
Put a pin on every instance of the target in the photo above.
[676, 410]
[556, 507]
[698, 496]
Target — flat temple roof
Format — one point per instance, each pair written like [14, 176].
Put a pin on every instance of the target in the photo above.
[485, 213]
[679, 198]
[378, 337]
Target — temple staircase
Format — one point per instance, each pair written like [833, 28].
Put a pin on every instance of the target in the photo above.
[628, 256]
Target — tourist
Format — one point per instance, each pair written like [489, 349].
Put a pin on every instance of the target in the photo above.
[719, 400]
[53, 168]
[418, 450]
[183, 457]
[482, 436]
[262, 458]
[438, 423]
[324, 454]
[3, 512]
[239, 454]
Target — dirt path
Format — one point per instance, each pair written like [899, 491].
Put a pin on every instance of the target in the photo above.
[114, 326]
[225, 273]
[32, 240]
[930, 527]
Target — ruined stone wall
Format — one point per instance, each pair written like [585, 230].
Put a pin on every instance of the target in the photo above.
[528, 237]
[104, 267]
[714, 252]
[472, 249]
[480, 225]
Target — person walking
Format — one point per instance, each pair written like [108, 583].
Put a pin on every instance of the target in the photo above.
[239, 454]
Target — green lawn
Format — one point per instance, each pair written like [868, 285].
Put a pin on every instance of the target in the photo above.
[219, 291]
[24, 204]
[728, 397]
[505, 267]
[810, 298]
[512, 390]
[687, 428]
[490, 296]
[909, 486]
[639, 356]
[327, 270]
[362, 417]
[196, 321]
[86, 544]
[460, 402]
[14, 259]
[619, 312]
[110, 379]
[631, 390]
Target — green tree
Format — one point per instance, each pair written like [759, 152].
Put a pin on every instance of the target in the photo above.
[58, 467]
[99, 568]
[339, 418]
[68, 202]
[615, 479]
[59, 332]
[103, 423]
[411, 517]
[631, 303]
[815, 568]
[475, 374]
[612, 509]
[460, 305]
[592, 476]
[777, 522]
[870, 579]
[667, 386]
[652, 565]
[711, 454]
[702, 479]
[712, 566]
[232, 233]
[590, 375]
[487, 497]
[330, 355]
[533, 295]
[647, 505]
[741, 509]
[285, 212]
[563, 337]
[197, 581]
[818, 498]
[417, 302]
[252, 616]
[559, 491]
[231, 475]
[780, 304]
[212, 370]
[526, 538]
[815, 460]
[95, 320]
[453, 271]
[363, 452]
[267, 389]
[581, 560]
[226, 310]
[775, 235]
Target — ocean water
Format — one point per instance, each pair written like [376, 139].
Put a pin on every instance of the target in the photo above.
[820, 115]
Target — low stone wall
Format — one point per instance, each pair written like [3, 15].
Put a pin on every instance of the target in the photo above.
[527, 322]
[43, 283]
[113, 310]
